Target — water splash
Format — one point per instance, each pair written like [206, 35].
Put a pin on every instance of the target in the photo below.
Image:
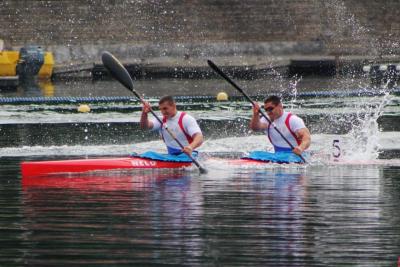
[294, 81]
[287, 86]
[362, 141]
[346, 24]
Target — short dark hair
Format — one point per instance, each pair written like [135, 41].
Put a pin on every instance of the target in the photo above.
[168, 99]
[274, 99]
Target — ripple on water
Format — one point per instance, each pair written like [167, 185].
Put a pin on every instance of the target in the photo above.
[315, 216]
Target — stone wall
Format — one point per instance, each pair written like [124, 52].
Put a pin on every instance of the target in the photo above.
[78, 30]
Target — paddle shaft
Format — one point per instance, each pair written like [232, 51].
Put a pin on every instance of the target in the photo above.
[120, 73]
[229, 80]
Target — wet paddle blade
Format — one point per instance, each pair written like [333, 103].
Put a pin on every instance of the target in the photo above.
[202, 170]
[117, 70]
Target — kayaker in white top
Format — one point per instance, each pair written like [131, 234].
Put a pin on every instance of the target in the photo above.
[291, 126]
[182, 125]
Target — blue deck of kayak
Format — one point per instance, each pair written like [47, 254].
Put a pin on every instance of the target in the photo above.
[164, 157]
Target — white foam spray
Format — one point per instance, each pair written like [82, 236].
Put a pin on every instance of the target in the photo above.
[362, 142]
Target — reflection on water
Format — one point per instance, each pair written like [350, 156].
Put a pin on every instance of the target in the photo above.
[261, 213]
[30, 87]
[138, 216]
[315, 216]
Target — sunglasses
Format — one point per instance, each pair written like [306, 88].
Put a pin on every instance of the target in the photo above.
[269, 109]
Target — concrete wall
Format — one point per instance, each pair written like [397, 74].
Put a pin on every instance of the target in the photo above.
[79, 30]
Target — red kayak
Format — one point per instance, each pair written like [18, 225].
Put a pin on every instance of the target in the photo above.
[35, 168]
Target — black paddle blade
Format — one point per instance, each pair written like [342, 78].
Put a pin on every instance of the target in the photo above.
[214, 67]
[202, 170]
[221, 73]
[117, 70]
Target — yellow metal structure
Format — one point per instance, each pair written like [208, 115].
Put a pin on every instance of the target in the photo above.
[47, 68]
[8, 63]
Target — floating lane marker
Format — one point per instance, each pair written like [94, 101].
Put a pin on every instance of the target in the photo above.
[106, 99]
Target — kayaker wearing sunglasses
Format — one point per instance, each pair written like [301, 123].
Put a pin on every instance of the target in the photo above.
[291, 126]
[182, 125]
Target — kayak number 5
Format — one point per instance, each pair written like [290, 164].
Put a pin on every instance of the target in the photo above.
[336, 151]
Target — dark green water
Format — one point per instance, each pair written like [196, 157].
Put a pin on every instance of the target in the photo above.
[326, 214]
[318, 216]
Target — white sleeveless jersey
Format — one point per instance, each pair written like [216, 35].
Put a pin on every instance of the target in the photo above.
[189, 124]
[276, 139]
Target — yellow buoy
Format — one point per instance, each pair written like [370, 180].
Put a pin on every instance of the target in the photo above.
[84, 108]
[222, 96]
